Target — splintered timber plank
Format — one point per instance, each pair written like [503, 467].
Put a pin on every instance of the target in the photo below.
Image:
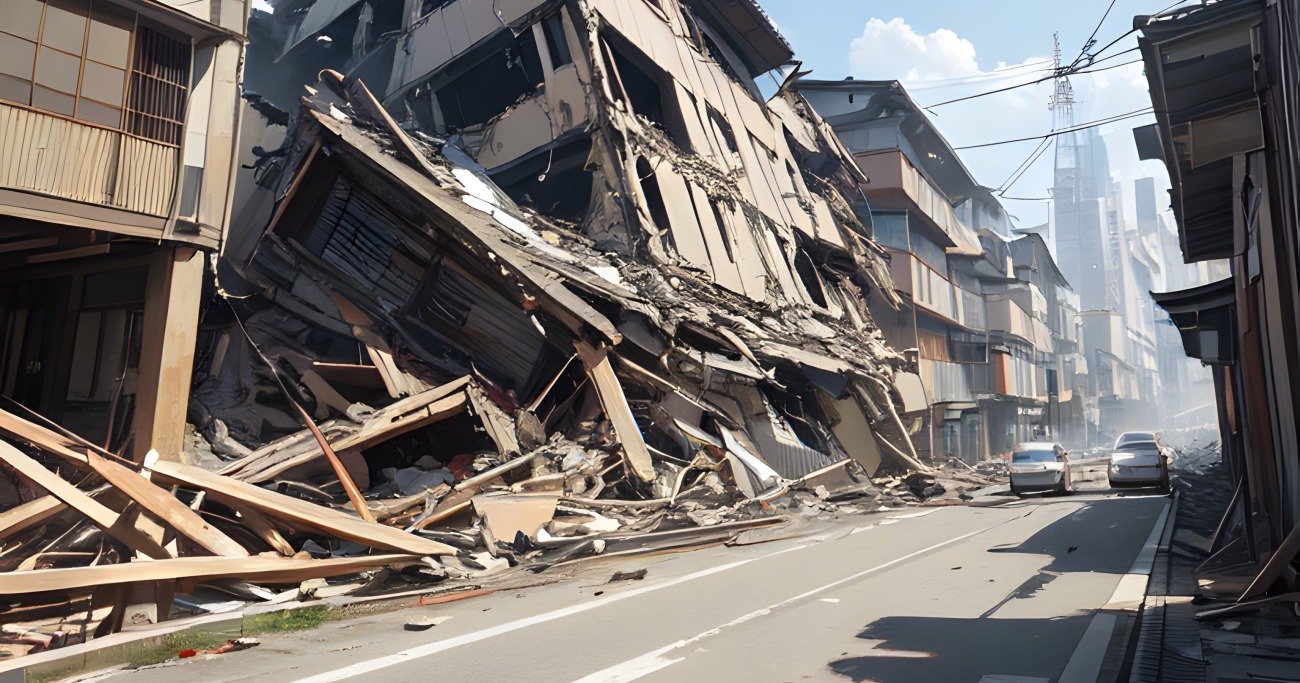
[265, 569]
[617, 410]
[299, 513]
[150, 497]
[391, 421]
[166, 507]
[32, 513]
[99, 515]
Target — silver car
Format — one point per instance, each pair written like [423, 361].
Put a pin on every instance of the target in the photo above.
[1040, 466]
[1139, 462]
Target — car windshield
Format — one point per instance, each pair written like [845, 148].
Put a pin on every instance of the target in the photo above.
[1033, 456]
[1135, 437]
[1140, 446]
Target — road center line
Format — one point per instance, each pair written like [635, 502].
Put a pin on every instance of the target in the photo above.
[655, 660]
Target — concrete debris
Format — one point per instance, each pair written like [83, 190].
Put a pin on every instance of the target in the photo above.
[467, 323]
[636, 575]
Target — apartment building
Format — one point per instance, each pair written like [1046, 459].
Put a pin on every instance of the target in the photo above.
[663, 196]
[974, 308]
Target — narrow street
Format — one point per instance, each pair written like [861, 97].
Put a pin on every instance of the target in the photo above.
[944, 594]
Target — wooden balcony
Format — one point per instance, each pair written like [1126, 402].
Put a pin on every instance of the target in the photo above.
[64, 159]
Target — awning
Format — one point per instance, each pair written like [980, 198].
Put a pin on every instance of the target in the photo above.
[1206, 319]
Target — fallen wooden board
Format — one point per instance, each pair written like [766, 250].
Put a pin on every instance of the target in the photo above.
[500, 426]
[158, 502]
[51, 441]
[299, 513]
[99, 515]
[258, 568]
[617, 410]
[390, 421]
[32, 513]
[165, 507]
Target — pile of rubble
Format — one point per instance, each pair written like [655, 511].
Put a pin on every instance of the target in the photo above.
[102, 542]
[406, 376]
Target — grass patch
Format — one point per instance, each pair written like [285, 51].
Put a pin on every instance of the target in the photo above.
[172, 644]
[301, 619]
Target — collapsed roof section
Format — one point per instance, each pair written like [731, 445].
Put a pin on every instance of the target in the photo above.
[672, 262]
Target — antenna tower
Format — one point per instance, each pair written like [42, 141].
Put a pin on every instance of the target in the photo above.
[1062, 102]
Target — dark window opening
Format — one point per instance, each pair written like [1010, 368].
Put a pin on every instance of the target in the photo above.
[554, 182]
[721, 58]
[556, 42]
[649, 92]
[481, 92]
[803, 265]
[641, 89]
[724, 129]
[722, 231]
[653, 197]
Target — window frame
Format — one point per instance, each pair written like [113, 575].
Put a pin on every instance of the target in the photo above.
[167, 130]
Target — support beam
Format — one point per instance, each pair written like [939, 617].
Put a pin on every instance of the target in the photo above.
[171, 318]
[613, 400]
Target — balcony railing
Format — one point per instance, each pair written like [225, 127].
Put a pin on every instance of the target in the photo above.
[64, 158]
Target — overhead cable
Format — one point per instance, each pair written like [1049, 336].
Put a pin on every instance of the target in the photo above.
[1072, 129]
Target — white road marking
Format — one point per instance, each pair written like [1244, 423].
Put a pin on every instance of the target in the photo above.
[830, 600]
[894, 520]
[1085, 663]
[1132, 586]
[427, 649]
[655, 660]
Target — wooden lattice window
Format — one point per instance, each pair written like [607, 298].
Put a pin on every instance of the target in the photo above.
[95, 62]
[160, 76]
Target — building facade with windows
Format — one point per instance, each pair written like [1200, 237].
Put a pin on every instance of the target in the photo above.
[118, 124]
[983, 314]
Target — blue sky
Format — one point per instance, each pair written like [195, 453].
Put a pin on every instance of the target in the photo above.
[943, 49]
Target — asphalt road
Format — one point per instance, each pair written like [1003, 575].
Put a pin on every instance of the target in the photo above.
[935, 594]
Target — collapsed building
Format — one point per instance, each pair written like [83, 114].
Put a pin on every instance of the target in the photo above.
[506, 284]
[584, 201]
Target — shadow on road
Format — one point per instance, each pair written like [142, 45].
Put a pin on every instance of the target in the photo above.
[909, 649]
[1101, 537]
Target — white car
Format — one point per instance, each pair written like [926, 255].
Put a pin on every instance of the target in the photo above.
[1139, 462]
[1040, 466]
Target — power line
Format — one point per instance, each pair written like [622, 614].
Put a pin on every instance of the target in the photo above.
[1016, 171]
[1072, 129]
[1083, 52]
[1048, 144]
[984, 76]
[1064, 72]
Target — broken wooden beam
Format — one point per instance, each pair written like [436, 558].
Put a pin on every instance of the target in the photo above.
[265, 569]
[100, 516]
[614, 402]
[299, 513]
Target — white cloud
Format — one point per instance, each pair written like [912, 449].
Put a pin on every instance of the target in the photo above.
[936, 55]
[941, 65]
